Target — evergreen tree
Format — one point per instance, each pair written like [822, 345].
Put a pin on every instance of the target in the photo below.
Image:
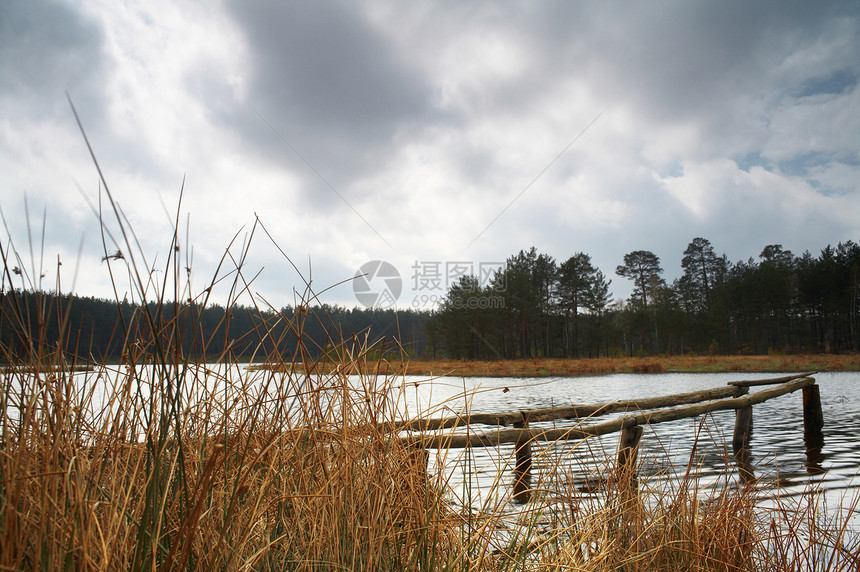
[576, 281]
[703, 269]
[643, 268]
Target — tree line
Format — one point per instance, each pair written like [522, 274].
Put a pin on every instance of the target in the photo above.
[102, 330]
[532, 307]
[537, 307]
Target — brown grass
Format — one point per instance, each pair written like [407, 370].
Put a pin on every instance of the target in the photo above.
[163, 463]
[600, 366]
[195, 468]
[200, 469]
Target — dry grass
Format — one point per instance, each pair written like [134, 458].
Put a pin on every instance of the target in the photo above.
[163, 463]
[195, 467]
[188, 466]
[601, 366]
[181, 465]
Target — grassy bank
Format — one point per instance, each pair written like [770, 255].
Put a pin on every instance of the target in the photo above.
[599, 366]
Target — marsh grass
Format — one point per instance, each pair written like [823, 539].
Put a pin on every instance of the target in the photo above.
[550, 367]
[170, 462]
[616, 519]
[164, 463]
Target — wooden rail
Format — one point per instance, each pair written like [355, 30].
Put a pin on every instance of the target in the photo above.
[650, 411]
[581, 431]
[571, 412]
[770, 381]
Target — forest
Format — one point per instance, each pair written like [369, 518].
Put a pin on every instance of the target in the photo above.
[532, 307]
[97, 329]
[537, 307]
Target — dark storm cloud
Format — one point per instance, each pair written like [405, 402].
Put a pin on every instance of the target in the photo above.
[339, 90]
[47, 48]
[431, 117]
[683, 60]
[328, 83]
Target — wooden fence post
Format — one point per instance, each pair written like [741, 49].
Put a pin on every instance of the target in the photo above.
[628, 453]
[813, 419]
[627, 485]
[523, 466]
[813, 425]
[741, 442]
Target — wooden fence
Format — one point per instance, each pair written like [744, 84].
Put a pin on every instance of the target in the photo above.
[427, 434]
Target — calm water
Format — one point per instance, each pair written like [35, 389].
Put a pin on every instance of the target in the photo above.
[779, 453]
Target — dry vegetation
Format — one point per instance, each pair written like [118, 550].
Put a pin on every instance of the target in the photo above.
[189, 467]
[600, 366]
[162, 463]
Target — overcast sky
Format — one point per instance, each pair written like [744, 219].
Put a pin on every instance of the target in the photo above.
[425, 132]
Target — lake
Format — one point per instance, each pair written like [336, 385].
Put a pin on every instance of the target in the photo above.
[779, 453]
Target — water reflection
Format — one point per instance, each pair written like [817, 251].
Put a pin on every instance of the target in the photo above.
[814, 443]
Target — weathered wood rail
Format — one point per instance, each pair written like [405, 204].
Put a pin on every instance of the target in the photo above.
[570, 412]
[649, 411]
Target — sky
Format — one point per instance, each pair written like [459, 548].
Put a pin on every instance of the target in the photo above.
[414, 141]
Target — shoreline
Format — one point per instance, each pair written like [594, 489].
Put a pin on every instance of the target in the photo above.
[594, 366]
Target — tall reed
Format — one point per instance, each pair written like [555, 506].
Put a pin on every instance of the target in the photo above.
[176, 459]
[166, 461]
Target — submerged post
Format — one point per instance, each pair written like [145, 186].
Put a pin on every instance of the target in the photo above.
[813, 419]
[741, 442]
[523, 466]
[628, 453]
[813, 429]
